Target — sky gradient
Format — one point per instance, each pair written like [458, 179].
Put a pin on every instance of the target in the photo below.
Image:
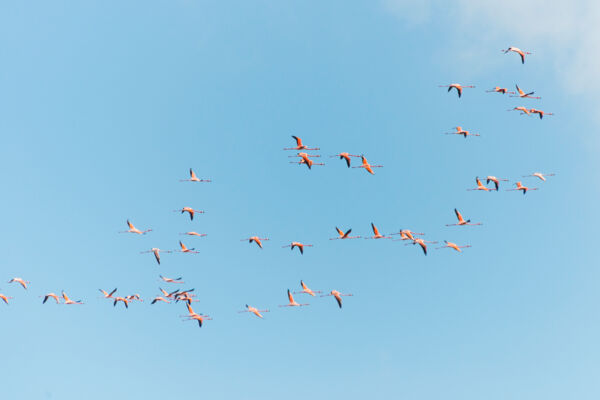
[106, 105]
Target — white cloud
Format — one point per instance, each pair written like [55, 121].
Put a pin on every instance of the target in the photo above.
[566, 35]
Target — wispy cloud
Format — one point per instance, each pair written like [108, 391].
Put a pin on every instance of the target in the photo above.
[568, 34]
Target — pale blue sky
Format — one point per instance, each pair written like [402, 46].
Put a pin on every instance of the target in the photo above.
[105, 106]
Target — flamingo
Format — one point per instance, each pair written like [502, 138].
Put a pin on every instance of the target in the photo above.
[518, 51]
[345, 156]
[461, 220]
[453, 246]
[337, 295]
[122, 299]
[368, 167]
[480, 186]
[256, 240]
[422, 243]
[376, 234]
[524, 95]
[156, 252]
[299, 145]
[183, 296]
[306, 290]
[167, 295]
[68, 300]
[184, 249]
[343, 235]
[521, 187]
[189, 210]
[459, 88]
[159, 298]
[309, 163]
[20, 282]
[50, 295]
[5, 298]
[195, 316]
[253, 310]
[108, 295]
[305, 159]
[407, 234]
[192, 233]
[133, 229]
[292, 302]
[134, 297]
[169, 280]
[299, 245]
[194, 178]
[461, 131]
[523, 110]
[539, 112]
[498, 89]
[496, 181]
[539, 175]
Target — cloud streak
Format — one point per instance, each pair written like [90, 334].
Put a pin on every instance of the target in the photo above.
[568, 34]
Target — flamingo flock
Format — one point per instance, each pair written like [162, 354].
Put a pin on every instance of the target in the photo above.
[305, 158]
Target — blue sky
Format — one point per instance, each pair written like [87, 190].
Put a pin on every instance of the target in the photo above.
[107, 104]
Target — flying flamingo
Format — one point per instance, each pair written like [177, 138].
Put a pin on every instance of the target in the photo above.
[299, 145]
[4, 298]
[539, 175]
[167, 295]
[306, 290]
[200, 318]
[337, 295]
[134, 297]
[496, 181]
[185, 249]
[345, 156]
[189, 210]
[367, 166]
[256, 240]
[539, 112]
[518, 51]
[192, 233]
[183, 296]
[68, 300]
[407, 234]
[376, 234]
[156, 252]
[461, 220]
[459, 88]
[195, 316]
[194, 178]
[498, 89]
[20, 281]
[343, 235]
[159, 298]
[309, 163]
[480, 186]
[50, 295]
[292, 302]
[169, 280]
[133, 229]
[523, 110]
[422, 243]
[453, 246]
[524, 95]
[253, 310]
[299, 245]
[305, 159]
[521, 187]
[122, 299]
[461, 131]
[108, 295]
